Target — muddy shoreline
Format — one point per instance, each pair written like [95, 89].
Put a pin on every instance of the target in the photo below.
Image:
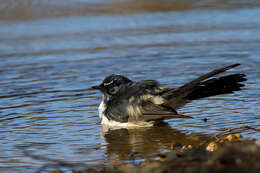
[232, 157]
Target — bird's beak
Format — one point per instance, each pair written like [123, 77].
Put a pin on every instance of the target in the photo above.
[97, 87]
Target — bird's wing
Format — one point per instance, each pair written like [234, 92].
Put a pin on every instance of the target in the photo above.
[138, 109]
[149, 111]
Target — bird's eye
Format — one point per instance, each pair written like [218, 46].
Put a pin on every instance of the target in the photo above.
[113, 90]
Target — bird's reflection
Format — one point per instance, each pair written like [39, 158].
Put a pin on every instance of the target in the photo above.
[126, 143]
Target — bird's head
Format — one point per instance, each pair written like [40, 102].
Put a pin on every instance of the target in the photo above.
[113, 85]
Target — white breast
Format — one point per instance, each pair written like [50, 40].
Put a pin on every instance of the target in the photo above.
[101, 109]
[105, 121]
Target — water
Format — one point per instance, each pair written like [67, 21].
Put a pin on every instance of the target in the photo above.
[51, 56]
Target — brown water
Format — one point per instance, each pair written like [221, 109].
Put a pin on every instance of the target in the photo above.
[51, 52]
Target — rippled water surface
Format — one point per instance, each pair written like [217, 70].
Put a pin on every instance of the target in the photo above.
[49, 60]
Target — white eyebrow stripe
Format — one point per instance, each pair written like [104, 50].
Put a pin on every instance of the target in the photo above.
[105, 84]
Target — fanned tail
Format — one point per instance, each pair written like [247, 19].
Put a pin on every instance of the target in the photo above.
[200, 87]
[223, 85]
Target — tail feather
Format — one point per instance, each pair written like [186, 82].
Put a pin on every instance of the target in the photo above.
[200, 87]
[216, 86]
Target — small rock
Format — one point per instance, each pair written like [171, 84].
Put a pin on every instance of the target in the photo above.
[212, 146]
[230, 137]
[186, 147]
[233, 137]
[238, 135]
[189, 146]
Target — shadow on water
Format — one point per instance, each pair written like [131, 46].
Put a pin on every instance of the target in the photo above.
[140, 143]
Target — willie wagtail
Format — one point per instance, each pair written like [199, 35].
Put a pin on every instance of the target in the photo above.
[126, 103]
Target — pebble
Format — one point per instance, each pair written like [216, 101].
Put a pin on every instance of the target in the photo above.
[212, 146]
[233, 137]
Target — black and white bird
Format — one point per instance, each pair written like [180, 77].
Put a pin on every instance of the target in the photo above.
[127, 103]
